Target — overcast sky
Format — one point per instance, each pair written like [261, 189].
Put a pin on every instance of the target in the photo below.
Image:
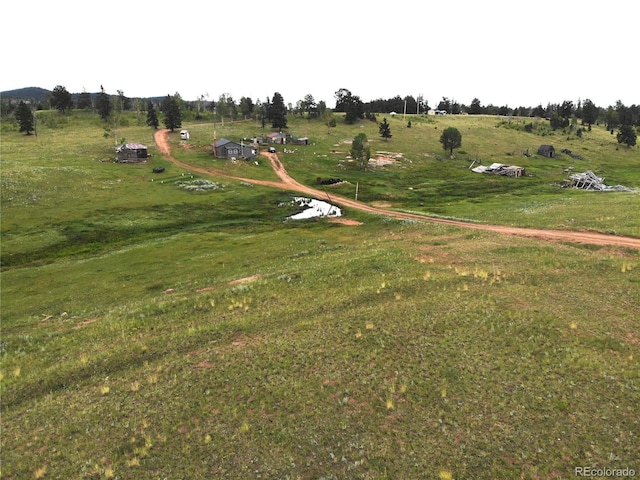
[515, 53]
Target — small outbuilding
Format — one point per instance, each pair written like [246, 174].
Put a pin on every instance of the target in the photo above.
[184, 135]
[224, 148]
[547, 151]
[279, 137]
[131, 153]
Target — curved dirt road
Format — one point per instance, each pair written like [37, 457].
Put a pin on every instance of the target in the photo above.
[288, 183]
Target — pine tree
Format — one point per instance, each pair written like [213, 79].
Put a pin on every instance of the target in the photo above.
[451, 138]
[360, 151]
[24, 115]
[152, 116]
[278, 112]
[385, 129]
[172, 113]
[103, 104]
[627, 135]
[589, 112]
[61, 99]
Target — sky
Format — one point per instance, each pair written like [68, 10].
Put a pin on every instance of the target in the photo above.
[515, 53]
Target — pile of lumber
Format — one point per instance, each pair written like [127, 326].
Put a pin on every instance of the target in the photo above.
[590, 181]
[500, 169]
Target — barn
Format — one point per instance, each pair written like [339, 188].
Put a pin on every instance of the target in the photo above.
[131, 153]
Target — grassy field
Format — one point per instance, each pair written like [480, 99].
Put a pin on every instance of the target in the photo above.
[149, 331]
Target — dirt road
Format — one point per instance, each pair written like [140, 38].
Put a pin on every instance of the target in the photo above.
[288, 183]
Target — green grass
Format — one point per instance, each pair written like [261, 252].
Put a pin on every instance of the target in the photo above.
[392, 350]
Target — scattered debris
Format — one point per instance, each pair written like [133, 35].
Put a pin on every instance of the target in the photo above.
[501, 169]
[198, 185]
[590, 181]
[315, 208]
[329, 181]
[566, 151]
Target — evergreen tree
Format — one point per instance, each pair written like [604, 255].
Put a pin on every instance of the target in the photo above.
[278, 112]
[627, 135]
[24, 115]
[566, 110]
[476, 107]
[611, 119]
[385, 129]
[360, 151]
[451, 138]
[152, 115]
[172, 113]
[103, 104]
[61, 99]
[589, 112]
[538, 111]
[350, 104]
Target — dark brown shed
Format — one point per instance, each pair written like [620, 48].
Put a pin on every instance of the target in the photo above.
[547, 151]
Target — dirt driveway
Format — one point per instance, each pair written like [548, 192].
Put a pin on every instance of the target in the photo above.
[288, 183]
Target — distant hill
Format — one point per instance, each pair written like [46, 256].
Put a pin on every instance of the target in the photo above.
[40, 95]
[35, 94]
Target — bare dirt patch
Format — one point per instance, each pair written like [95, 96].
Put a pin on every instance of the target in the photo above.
[344, 221]
[245, 279]
[87, 321]
[381, 161]
[203, 365]
[204, 289]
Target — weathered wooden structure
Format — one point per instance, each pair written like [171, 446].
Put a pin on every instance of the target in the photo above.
[501, 169]
[132, 153]
[590, 181]
[547, 151]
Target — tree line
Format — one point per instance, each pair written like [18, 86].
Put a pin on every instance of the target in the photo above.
[274, 110]
[226, 107]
